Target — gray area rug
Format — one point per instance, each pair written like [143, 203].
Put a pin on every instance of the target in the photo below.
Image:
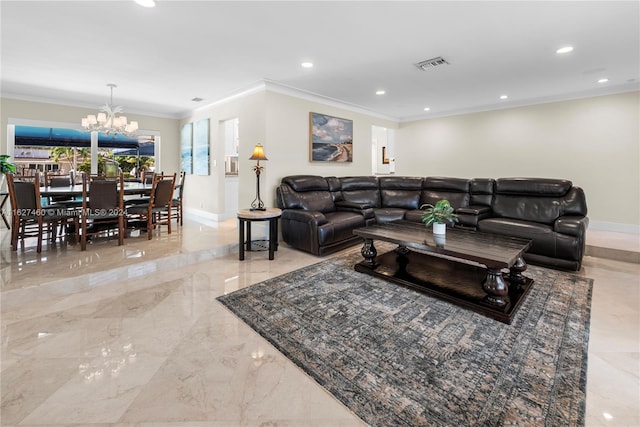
[397, 357]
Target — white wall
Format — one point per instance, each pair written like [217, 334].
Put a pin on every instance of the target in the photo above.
[205, 195]
[594, 142]
[287, 142]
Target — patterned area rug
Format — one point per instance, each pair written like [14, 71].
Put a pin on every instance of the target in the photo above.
[397, 357]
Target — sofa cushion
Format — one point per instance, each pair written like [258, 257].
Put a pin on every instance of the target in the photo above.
[457, 185]
[534, 186]
[400, 192]
[455, 190]
[339, 226]
[320, 201]
[481, 191]
[542, 236]
[308, 192]
[361, 189]
[414, 215]
[543, 210]
[306, 182]
[388, 214]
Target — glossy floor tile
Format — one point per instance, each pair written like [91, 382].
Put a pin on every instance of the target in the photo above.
[133, 336]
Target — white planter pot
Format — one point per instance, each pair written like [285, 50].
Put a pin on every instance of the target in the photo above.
[439, 228]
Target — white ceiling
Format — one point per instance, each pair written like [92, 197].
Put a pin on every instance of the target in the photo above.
[161, 58]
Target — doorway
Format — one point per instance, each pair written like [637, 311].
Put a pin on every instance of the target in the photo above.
[383, 160]
[231, 145]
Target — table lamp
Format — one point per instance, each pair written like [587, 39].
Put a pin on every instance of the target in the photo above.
[258, 154]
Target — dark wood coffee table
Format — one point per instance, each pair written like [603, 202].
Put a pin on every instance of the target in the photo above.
[478, 271]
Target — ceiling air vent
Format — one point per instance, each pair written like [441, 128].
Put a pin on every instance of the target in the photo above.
[431, 63]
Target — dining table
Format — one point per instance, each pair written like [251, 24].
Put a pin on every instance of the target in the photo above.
[130, 188]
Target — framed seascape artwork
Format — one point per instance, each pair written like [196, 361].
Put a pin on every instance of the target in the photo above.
[201, 147]
[330, 138]
[186, 148]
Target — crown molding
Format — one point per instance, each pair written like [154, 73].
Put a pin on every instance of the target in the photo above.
[613, 90]
[67, 103]
[266, 85]
[283, 89]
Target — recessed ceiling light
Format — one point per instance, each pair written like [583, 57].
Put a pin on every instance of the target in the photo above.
[307, 65]
[146, 3]
[565, 49]
[380, 92]
[427, 109]
[604, 80]
[503, 96]
[197, 99]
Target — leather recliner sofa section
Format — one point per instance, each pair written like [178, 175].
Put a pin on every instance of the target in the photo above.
[320, 213]
[550, 212]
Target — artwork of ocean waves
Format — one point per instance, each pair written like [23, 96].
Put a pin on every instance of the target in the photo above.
[324, 152]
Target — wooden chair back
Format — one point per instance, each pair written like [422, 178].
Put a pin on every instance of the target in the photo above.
[162, 190]
[27, 215]
[102, 204]
[53, 179]
[24, 193]
[99, 193]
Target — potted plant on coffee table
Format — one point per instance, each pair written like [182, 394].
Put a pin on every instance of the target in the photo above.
[438, 216]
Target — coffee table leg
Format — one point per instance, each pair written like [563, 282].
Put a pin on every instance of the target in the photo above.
[248, 223]
[272, 237]
[241, 240]
[515, 273]
[496, 287]
[369, 253]
[402, 260]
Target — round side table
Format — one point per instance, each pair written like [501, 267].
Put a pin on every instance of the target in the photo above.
[246, 217]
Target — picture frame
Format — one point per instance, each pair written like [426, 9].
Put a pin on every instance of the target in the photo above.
[186, 148]
[330, 139]
[385, 159]
[201, 147]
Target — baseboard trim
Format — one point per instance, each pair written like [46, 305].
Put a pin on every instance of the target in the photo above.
[614, 254]
[615, 227]
[203, 217]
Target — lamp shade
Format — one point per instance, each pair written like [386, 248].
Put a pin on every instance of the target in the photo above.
[258, 153]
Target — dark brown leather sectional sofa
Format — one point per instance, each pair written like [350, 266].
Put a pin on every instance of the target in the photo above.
[320, 213]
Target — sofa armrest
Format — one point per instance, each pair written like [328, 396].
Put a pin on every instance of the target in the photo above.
[353, 205]
[310, 217]
[571, 225]
[365, 209]
[473, 210]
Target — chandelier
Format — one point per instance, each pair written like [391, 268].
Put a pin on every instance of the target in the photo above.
[108, 121]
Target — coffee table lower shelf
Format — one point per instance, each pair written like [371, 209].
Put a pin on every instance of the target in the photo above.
[452, 281]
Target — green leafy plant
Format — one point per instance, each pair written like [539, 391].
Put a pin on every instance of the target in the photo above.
[440, 213]
[5, 166]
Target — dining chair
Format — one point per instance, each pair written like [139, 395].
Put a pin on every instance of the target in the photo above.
[28, 217]
[102, 207]
[176, 202]
[147, 177]
[158, 210]
[56, 180]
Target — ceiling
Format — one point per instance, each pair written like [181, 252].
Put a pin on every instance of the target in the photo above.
[161, 58]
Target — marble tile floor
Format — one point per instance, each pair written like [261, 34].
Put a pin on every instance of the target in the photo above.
[133, 336]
